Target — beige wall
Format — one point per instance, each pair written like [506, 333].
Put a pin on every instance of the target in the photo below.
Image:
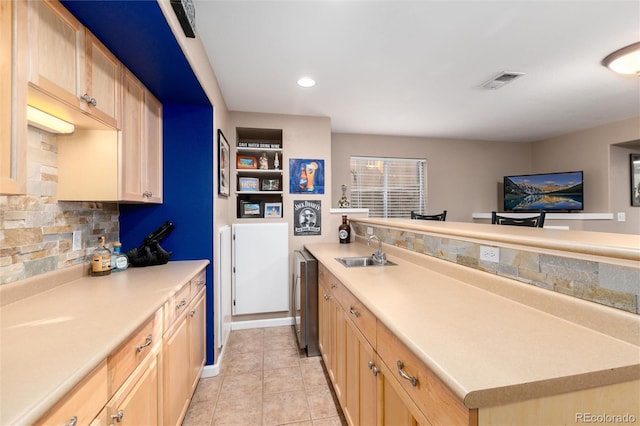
[606, 171]
[302, 137]
[462, 175]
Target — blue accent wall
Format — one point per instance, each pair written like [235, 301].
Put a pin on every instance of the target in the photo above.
[188, 195]
[138, 34]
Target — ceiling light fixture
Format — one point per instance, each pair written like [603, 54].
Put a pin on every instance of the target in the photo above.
[306, 82]
[624, 61]
[47, 122]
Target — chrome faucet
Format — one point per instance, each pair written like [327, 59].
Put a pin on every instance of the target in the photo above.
[379, 256]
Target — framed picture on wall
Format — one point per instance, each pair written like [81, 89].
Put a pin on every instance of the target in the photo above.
[224, 166]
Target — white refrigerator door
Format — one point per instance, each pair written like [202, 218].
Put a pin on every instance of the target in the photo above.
[260, 268]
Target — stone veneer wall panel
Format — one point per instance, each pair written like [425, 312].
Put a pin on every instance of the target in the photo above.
[36, 233]
[605, 283]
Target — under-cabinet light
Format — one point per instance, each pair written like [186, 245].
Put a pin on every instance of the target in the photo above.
[47, 122]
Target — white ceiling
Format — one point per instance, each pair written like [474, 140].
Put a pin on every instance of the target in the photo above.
[415, 68]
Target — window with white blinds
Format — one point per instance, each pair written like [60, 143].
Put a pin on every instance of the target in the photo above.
[389, 187]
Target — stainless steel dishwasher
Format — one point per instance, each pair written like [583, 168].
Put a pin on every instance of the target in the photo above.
[305, 294]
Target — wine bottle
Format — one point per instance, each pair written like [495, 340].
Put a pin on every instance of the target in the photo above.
[344, 231]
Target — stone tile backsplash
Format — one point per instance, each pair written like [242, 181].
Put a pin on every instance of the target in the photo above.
[608, 284]
[36, 229]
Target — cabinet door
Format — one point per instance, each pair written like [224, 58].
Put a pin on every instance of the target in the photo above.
[55, 50]
[131, 139]
[338, 348]
[176, 380]
[197, 338]
[13, 98]
[137, 402]
[152, 151]
[395, 407]
[324, 326]
[360, 402]
[101, 82]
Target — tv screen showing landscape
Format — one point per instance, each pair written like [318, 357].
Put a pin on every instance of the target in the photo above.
[546, 191]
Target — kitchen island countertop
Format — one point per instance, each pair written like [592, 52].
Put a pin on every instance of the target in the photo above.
[488, 349]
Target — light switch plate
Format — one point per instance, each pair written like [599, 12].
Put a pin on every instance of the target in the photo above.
[622, 217]
[77, 240]
[490, 254]
[369, 230]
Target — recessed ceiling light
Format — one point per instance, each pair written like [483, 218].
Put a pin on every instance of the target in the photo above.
[306, 82]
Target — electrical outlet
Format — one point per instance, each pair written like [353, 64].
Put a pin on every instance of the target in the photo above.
[77, 240]
[622, 217]
[490, 254]
[369, 230]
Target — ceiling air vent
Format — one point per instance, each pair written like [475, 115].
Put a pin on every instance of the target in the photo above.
[501, 79]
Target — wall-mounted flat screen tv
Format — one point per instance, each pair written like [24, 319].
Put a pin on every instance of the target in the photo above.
[545, 191]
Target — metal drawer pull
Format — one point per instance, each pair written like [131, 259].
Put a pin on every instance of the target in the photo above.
[404, 375]
[73, 421]
[326, 297]
[181, 304]
[334, 285]
[192, 313]
[373, 368]
[118, 416]
[147, 194]
[201, 282]
[353, 311]
[146, 343]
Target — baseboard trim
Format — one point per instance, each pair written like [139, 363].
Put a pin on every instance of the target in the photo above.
[273, 322]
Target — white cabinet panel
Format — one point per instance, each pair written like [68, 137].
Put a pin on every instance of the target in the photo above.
[260, 268]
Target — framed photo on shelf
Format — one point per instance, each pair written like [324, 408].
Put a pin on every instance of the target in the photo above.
[273, 210]
[224, 165]
[247, 184]
[250, 209]
[244, 162]
[267, 184]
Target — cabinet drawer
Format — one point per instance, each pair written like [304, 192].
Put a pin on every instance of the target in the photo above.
[83, 403]
[176, 305]
[360, 315]
[332, 284]
[131, 353]
[197, 283]
[433, 398]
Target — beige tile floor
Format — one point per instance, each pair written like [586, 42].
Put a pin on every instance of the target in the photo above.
[265, 380]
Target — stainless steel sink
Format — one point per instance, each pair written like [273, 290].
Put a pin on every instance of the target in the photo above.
[351, 262]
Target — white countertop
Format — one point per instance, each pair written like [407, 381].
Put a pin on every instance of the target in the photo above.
[51, 340]
[488, 349]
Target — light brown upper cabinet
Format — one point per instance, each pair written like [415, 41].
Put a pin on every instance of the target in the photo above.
[125, 166]
[68, 63]
[140, 143]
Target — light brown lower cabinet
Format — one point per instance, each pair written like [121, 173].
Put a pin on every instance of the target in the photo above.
[150, 378]
[183, 354]
[379, 381]
[137, 401]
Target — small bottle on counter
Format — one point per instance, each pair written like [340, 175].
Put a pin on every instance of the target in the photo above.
[101, 260]
[119, 260]
[344, 231]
